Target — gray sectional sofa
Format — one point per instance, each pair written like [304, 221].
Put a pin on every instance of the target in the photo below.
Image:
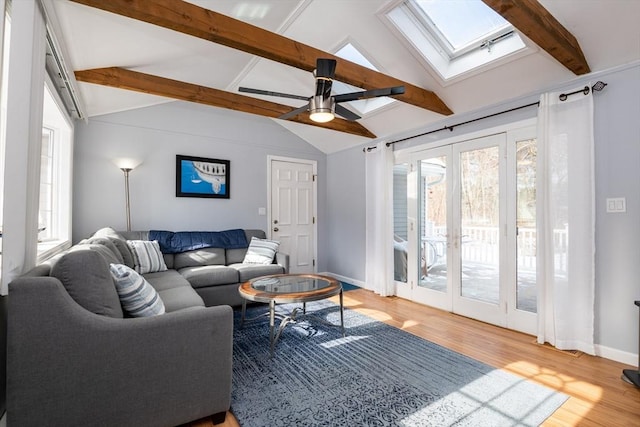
[214, 273]
[75, 358]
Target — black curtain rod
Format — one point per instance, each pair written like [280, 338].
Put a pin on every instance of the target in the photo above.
[450, 128]
[598, 86]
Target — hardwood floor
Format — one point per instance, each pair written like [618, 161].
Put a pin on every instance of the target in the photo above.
[597, 394]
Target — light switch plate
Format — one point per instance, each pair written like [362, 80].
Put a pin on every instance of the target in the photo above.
[616, 205]
[262, 211]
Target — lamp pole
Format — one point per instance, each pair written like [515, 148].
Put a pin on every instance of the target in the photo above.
[126, 195]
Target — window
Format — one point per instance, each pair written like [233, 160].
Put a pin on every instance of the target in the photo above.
[454, 37]
[54, 212]
[363, 106]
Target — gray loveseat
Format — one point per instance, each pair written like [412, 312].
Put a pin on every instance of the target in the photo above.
[74, 358]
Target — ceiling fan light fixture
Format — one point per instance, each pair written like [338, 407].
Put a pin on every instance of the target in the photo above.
[321, 110]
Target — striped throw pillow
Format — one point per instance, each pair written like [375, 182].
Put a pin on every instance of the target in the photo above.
[261, 251]
[137, 297]
[147, 257]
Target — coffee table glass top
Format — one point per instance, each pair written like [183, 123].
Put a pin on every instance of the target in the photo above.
[285, 288]
[290, 284]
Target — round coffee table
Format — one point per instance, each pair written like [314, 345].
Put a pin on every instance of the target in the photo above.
[289, 288]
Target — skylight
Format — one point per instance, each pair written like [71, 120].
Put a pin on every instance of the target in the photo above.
[364, 106]
[455, 37]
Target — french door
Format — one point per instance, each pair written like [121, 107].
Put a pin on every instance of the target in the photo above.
[470, 228]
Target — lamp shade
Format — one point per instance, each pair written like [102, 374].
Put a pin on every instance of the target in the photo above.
[127, 163]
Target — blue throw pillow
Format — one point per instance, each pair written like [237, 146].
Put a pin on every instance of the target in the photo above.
[137, 297]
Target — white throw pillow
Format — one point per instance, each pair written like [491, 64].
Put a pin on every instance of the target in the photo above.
[261, 251]
[147, 257]
[137, 297]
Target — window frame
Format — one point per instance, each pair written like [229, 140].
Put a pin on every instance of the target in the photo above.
[61, 128]
[364, 107]
[482, 41]
[403, 21]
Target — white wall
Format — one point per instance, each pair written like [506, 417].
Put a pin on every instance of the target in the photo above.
[155, 135]
[617, 170]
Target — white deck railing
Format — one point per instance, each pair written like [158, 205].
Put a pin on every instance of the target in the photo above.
[480, 244]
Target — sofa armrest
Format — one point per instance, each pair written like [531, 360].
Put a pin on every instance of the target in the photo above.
[68, 366]
[282, 259]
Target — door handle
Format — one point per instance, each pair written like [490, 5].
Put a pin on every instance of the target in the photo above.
[276, 229]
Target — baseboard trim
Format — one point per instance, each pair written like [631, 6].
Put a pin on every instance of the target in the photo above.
[616, 355]
[346, 279]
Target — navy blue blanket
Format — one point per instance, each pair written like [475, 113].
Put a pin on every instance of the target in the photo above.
[182, 241]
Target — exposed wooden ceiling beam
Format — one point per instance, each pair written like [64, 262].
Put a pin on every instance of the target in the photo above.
[191, 19]
[533, 20]
[147, 83]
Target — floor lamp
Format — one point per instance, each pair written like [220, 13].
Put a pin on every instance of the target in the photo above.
[126, 196]
[126, 166]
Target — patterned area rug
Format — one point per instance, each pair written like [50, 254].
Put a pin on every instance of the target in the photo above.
[377, 375]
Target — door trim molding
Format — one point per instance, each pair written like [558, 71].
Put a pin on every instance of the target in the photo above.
[314, 165]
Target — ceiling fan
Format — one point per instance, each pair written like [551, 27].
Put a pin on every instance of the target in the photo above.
[323, 106]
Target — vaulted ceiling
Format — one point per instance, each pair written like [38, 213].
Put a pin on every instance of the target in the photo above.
[132, 53]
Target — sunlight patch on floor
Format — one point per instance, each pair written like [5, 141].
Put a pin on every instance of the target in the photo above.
[561, 382]
[376, 314]
[347, 301]
[341, 341]
[408, 324]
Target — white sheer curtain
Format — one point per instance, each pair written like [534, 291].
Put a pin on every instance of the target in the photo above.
[379, 220]
[566, 222]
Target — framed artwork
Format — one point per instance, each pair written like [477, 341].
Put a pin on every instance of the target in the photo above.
[202, 177]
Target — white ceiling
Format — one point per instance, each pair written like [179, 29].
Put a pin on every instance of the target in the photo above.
[607, 30]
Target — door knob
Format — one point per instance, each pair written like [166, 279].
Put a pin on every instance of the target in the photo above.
[275, 229]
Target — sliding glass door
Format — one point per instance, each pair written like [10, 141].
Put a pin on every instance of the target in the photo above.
[469, 228]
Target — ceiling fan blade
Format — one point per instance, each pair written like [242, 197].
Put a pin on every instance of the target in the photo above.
[346, 113]
[271, 93]
[365, 94]
[325, 68]
[294, 113]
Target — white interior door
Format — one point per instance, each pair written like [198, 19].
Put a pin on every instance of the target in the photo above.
[292, 216]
